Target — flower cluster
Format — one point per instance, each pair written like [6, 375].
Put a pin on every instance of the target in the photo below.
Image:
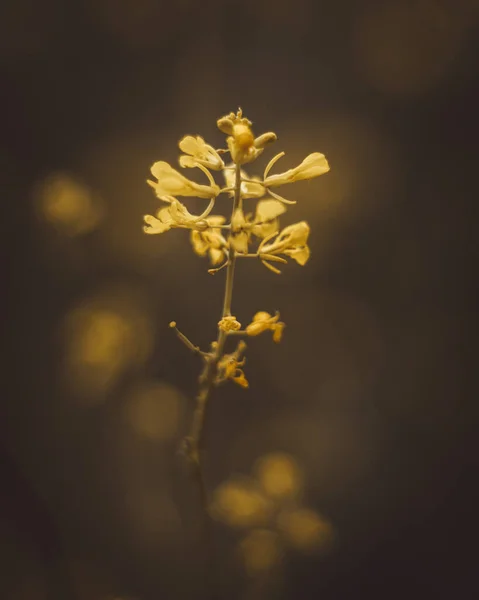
[252, 231]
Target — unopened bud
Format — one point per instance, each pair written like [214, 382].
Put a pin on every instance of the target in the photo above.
[243, 136]
[265, 139]
[225, 124]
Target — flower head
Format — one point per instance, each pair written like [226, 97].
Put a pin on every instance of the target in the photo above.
[229, 324]
[312, 166]
[242, 144]
[263, 321]
[172, 183]
[197, 151]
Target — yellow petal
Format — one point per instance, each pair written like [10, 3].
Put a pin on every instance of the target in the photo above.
[187, 161]
[238, 220]
[240, 379]
[269, 209]
[312, 166]
[300, 255]
[170, 182]
[239, 241]
[278, 332]
[296, 234]
[256, 328]
[262, 316]
[200, 245]
[154, 225]
[216, 256]
[192, 145]
[215, 220]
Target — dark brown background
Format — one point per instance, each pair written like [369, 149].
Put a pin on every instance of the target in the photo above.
[371, 390]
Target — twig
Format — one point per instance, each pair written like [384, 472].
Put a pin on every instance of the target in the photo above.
[193, 443]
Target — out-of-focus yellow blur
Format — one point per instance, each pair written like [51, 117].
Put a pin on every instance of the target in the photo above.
[304, 529]
[154, 410]
[279, 475]
[67, 204]
[239, 503]
[103, 335]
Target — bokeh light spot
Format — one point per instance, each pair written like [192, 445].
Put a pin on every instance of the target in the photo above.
[68, 205]
[239, 503]
[304, 529]
[279, 475]
[104, 335]
[154, 410]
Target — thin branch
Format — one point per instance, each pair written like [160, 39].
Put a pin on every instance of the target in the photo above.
[193, 443]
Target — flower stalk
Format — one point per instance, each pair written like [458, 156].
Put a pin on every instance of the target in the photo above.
[224, 242]
[194, 439]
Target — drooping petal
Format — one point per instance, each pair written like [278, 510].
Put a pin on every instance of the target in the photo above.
[312, 166]
[172, 183]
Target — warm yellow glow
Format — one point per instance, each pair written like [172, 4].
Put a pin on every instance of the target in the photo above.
[103, 336]
[279, 475]
[154, 410]
[239, 503]
[304, 529]
[68, 205]
[260, 550]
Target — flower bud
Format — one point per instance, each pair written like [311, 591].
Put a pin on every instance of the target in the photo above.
[243, 136]
[265, 139]
[225, 124]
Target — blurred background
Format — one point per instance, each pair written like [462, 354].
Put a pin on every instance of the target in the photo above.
[348, 468]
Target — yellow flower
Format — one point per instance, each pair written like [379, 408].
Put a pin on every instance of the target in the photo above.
[197, 151]
[172, 183]
[263, 321]
[229, 324]
[292, 241]
[312, 166]
[241, 142]
[229, 368]
[210, 241]
[174, 215]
